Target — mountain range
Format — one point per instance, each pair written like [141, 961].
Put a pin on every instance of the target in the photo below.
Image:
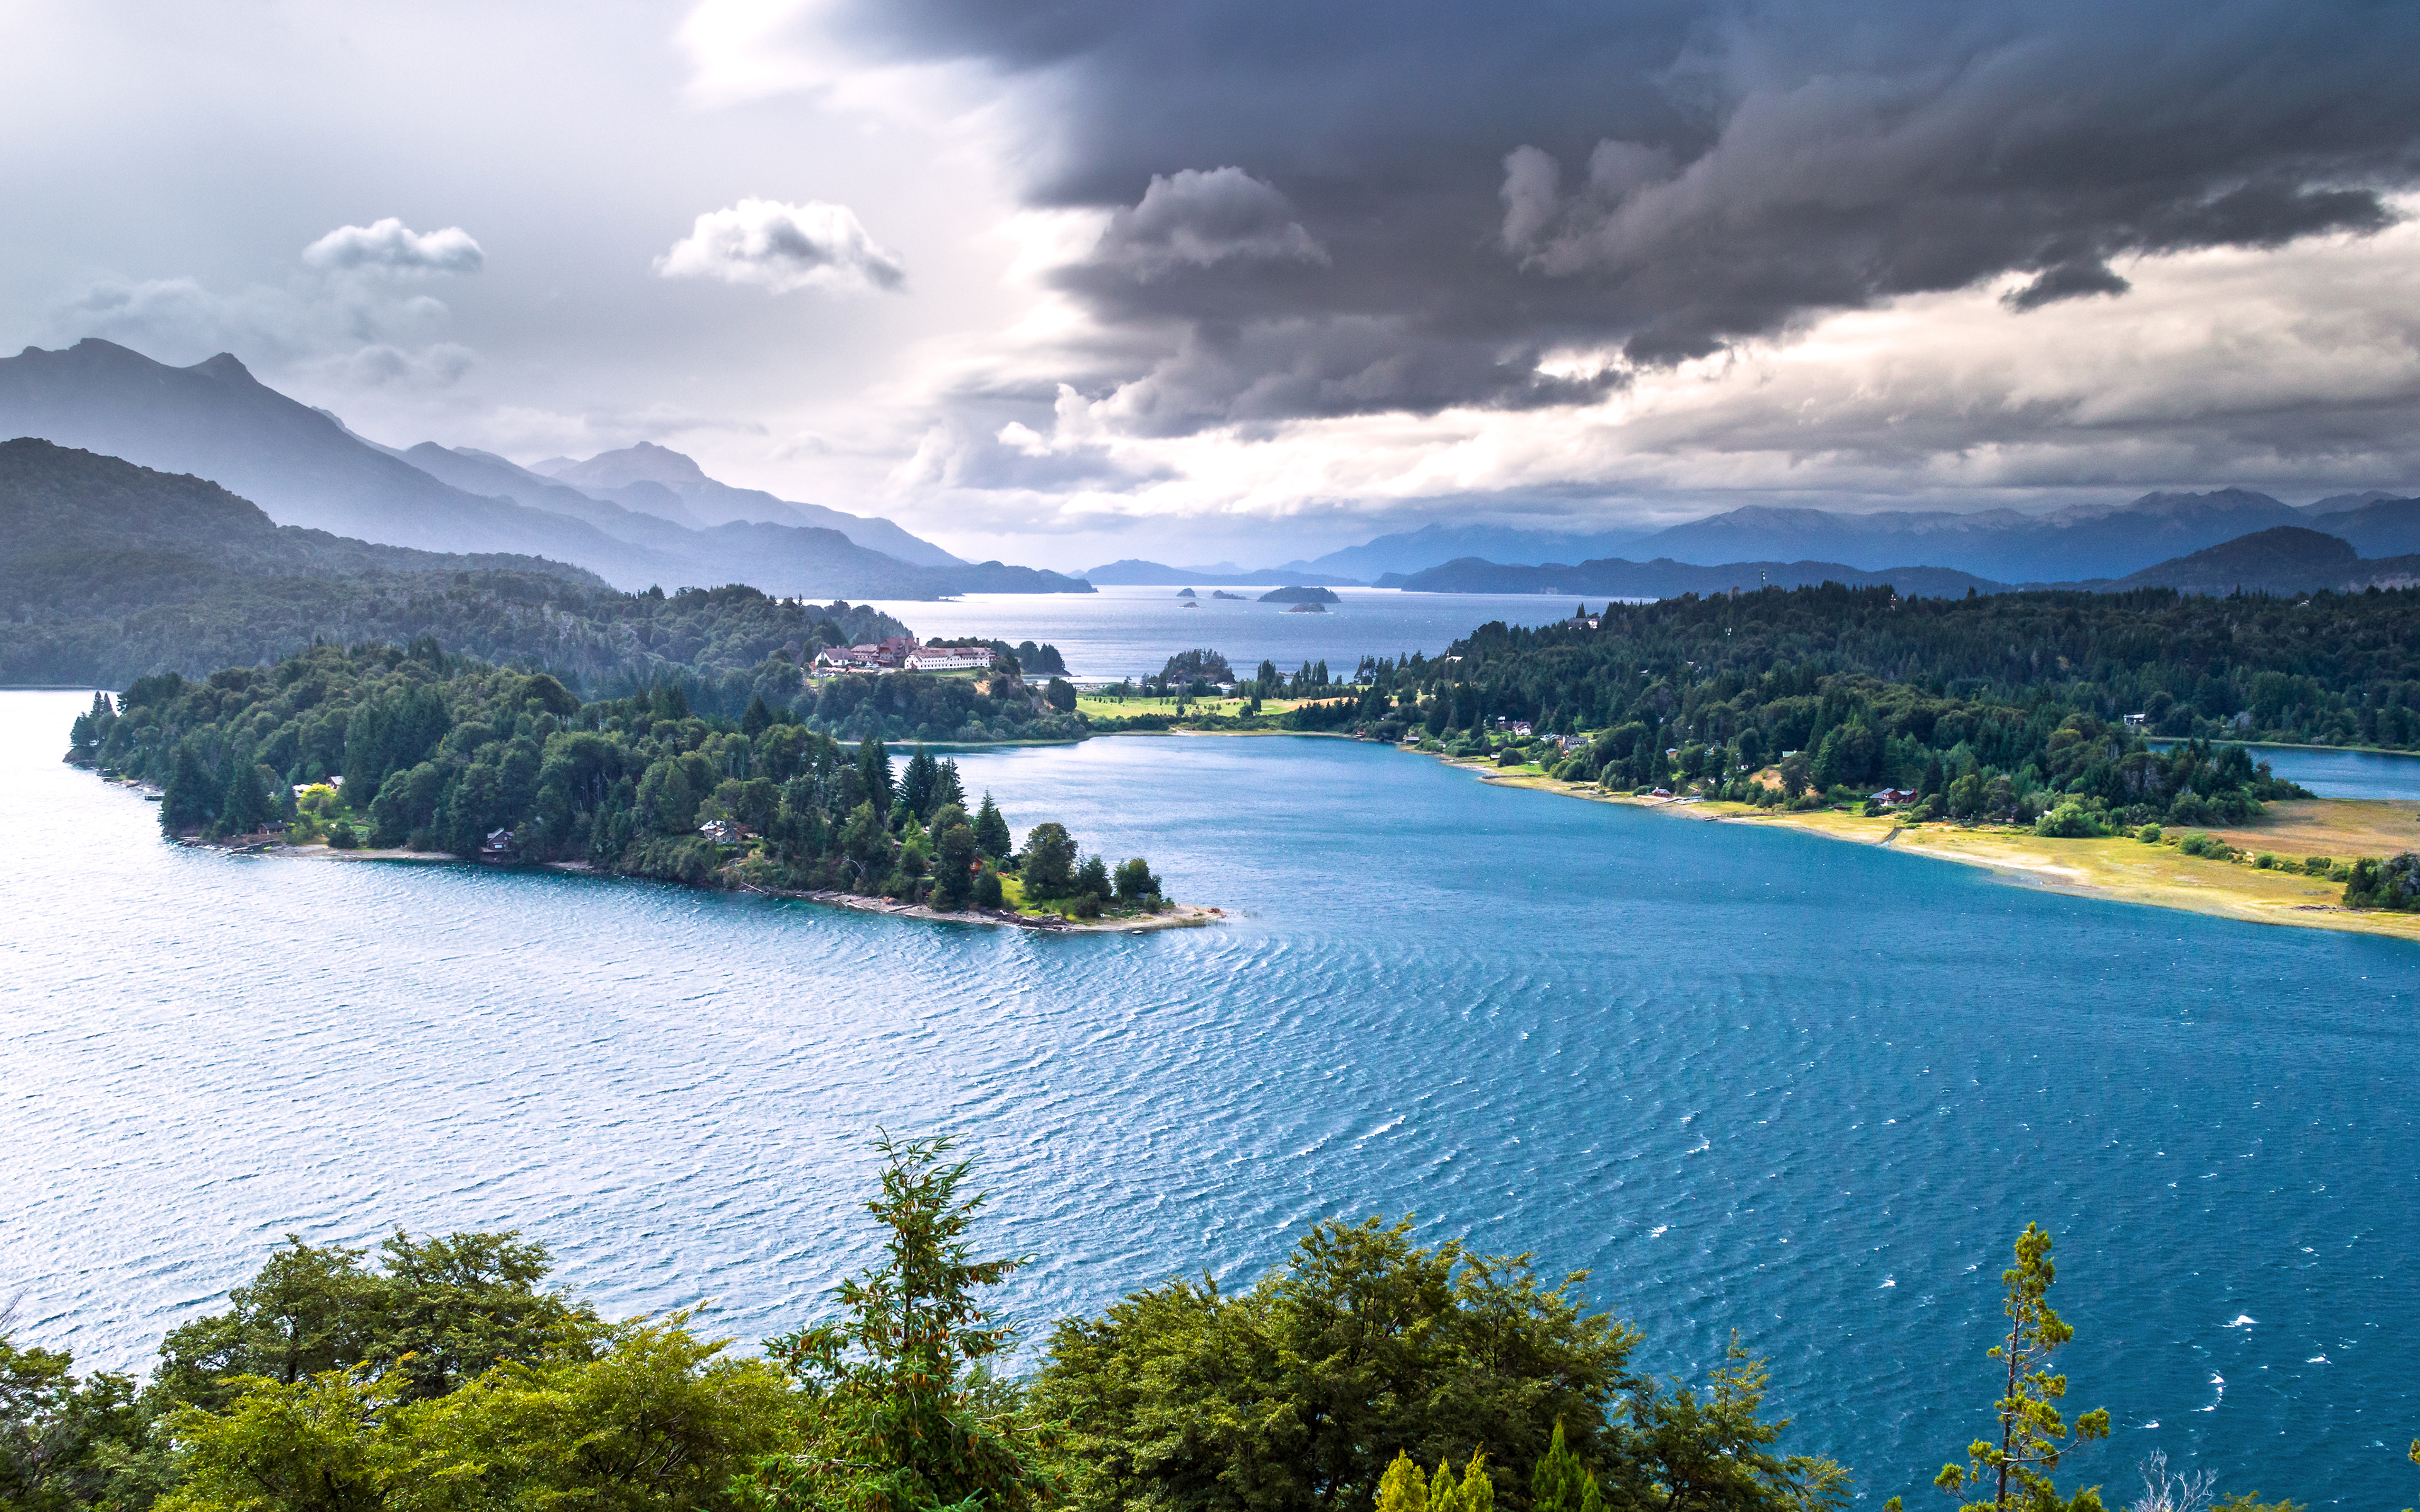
[2283, 559]
[2088, 542]
[648, 514]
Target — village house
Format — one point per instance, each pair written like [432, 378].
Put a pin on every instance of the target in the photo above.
[881, 657]
[949, 659]
[1892, 798]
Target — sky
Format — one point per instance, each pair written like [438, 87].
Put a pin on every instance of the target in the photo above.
[1065, 281]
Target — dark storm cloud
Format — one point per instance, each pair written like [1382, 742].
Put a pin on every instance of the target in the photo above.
[1485, 184]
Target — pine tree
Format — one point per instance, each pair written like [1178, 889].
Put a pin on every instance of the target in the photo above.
[1561, 1484]
[1402, 1488]
[244, 807]
[891, 1386]
[2033, 1435]
[191, 799]
[758, 719]
[991, 830]
[917, 783]
[873, 771]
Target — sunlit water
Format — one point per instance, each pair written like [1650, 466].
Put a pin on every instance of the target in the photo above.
[1751, 1079]
[1131, 632]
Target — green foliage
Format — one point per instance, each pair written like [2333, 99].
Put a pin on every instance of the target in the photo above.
[1135, 882]
[652, 1419]
[1294, 1393]
[2068, 821]
[442, 1310]
[1048, 866]
[2015, 1471]
[1562, 1482]
[68, 1444]
[1712, 1449]
[895, 1388]
[2392, 883]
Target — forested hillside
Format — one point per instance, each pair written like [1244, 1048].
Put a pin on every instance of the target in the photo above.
[2327, 668]
[110, 572]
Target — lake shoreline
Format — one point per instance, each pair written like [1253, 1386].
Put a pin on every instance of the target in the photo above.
[2112, 870]
[1172, 916]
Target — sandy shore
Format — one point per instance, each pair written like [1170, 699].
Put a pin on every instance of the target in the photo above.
[2123, 871]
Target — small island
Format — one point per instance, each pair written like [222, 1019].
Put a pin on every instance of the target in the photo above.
[384, 753]
[1307, 608]
[1221, 593]
[1300, 595]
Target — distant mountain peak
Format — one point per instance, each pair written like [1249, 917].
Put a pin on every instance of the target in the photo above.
[644, 462]
[227, 369]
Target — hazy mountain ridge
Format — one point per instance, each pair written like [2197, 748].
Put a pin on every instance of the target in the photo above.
[110, 572]
[302, 467]
[1132, 572]
[2283, 559]
[1614, 578]
[711, 502]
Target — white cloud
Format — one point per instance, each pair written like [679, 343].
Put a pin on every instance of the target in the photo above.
[390, 246]
[784, 247]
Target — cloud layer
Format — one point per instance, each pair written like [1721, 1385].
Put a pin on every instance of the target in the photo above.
[1359, 207]
[784, 248]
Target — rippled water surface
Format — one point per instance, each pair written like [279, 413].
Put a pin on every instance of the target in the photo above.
[1752, 1080]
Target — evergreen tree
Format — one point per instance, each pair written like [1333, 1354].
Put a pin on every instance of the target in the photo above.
[947, 793]
[244, 807]
[954, 867]
[1562, 1484]
[893, 1386]
[191, 797]
[991, 831]
[873, 771]
[916, 785]
[2033, 1435]
[758, 719]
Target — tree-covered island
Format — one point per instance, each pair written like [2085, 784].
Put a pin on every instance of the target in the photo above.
[413, 750]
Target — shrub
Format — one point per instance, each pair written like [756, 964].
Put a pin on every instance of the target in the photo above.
[2149, 834]
[2318, 866]
[341, 837]
[2264, 862]
[2068, 821]
[2206, 846]
[1088, 906]
[2393, 884]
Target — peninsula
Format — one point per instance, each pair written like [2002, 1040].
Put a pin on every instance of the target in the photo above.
[395, 752]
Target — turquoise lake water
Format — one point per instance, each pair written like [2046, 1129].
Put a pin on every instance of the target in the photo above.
[1751, 1079]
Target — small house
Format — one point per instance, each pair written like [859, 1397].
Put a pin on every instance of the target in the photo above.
[500, 846]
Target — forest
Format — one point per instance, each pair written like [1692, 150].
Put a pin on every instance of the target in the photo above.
[444, 1374]
[2326, 669]
[439, 752]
